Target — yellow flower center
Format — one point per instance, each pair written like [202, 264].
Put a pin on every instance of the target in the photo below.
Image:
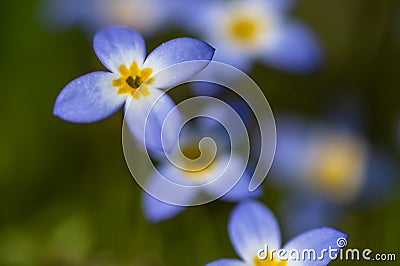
[244, 28]
[269, 261]
[191, 152]
[133, 80]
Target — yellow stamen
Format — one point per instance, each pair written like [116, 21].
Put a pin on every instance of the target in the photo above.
[269, 261]
[133, 81]
[246, 28]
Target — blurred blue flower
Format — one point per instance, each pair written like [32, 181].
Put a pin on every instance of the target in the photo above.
[253, 227]
[332, 162]
[248, 30]
[326, 169]
[201, 168]
[135, 81]
[147, 16]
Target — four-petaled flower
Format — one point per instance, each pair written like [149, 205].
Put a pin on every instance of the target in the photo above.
[254, 233]
[133, 80]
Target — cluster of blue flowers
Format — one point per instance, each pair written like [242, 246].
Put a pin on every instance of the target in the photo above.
[235, 32]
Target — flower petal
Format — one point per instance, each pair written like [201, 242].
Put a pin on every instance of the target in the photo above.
[116, 46]
[227, 262]
[295, 48]
[88, 98]
[172, 61]
[251, 227]
[153, 120]
[317, 240]
[156, 210]
[224, 174]
[232, 56]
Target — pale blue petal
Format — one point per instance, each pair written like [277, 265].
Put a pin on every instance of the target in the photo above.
[251, 227]
[116, 46]
[146, 116]
[318, 240]
[241, 190]
[226, 173]
[89, 98]
[166, 60]
[234, 57]
[227, 262]
[295, 49]
[156, 210]
[200, 88]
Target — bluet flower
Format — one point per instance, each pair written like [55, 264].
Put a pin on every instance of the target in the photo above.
[326, 161]
[134, 81]
[252, 227]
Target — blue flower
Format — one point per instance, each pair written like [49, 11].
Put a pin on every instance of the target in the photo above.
[147, 16]
[134, 81]
[245, 31]
[200, 179]
[252, 227]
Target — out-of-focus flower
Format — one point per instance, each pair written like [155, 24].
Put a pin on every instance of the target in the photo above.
[134, 81]
[325, 168]
[199, 165]
[335, 165]
[145, 16]
[325, 161]
[253, 228]
[248, 30]
[320, 160]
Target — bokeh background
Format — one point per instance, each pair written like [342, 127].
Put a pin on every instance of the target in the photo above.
[66, 194]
